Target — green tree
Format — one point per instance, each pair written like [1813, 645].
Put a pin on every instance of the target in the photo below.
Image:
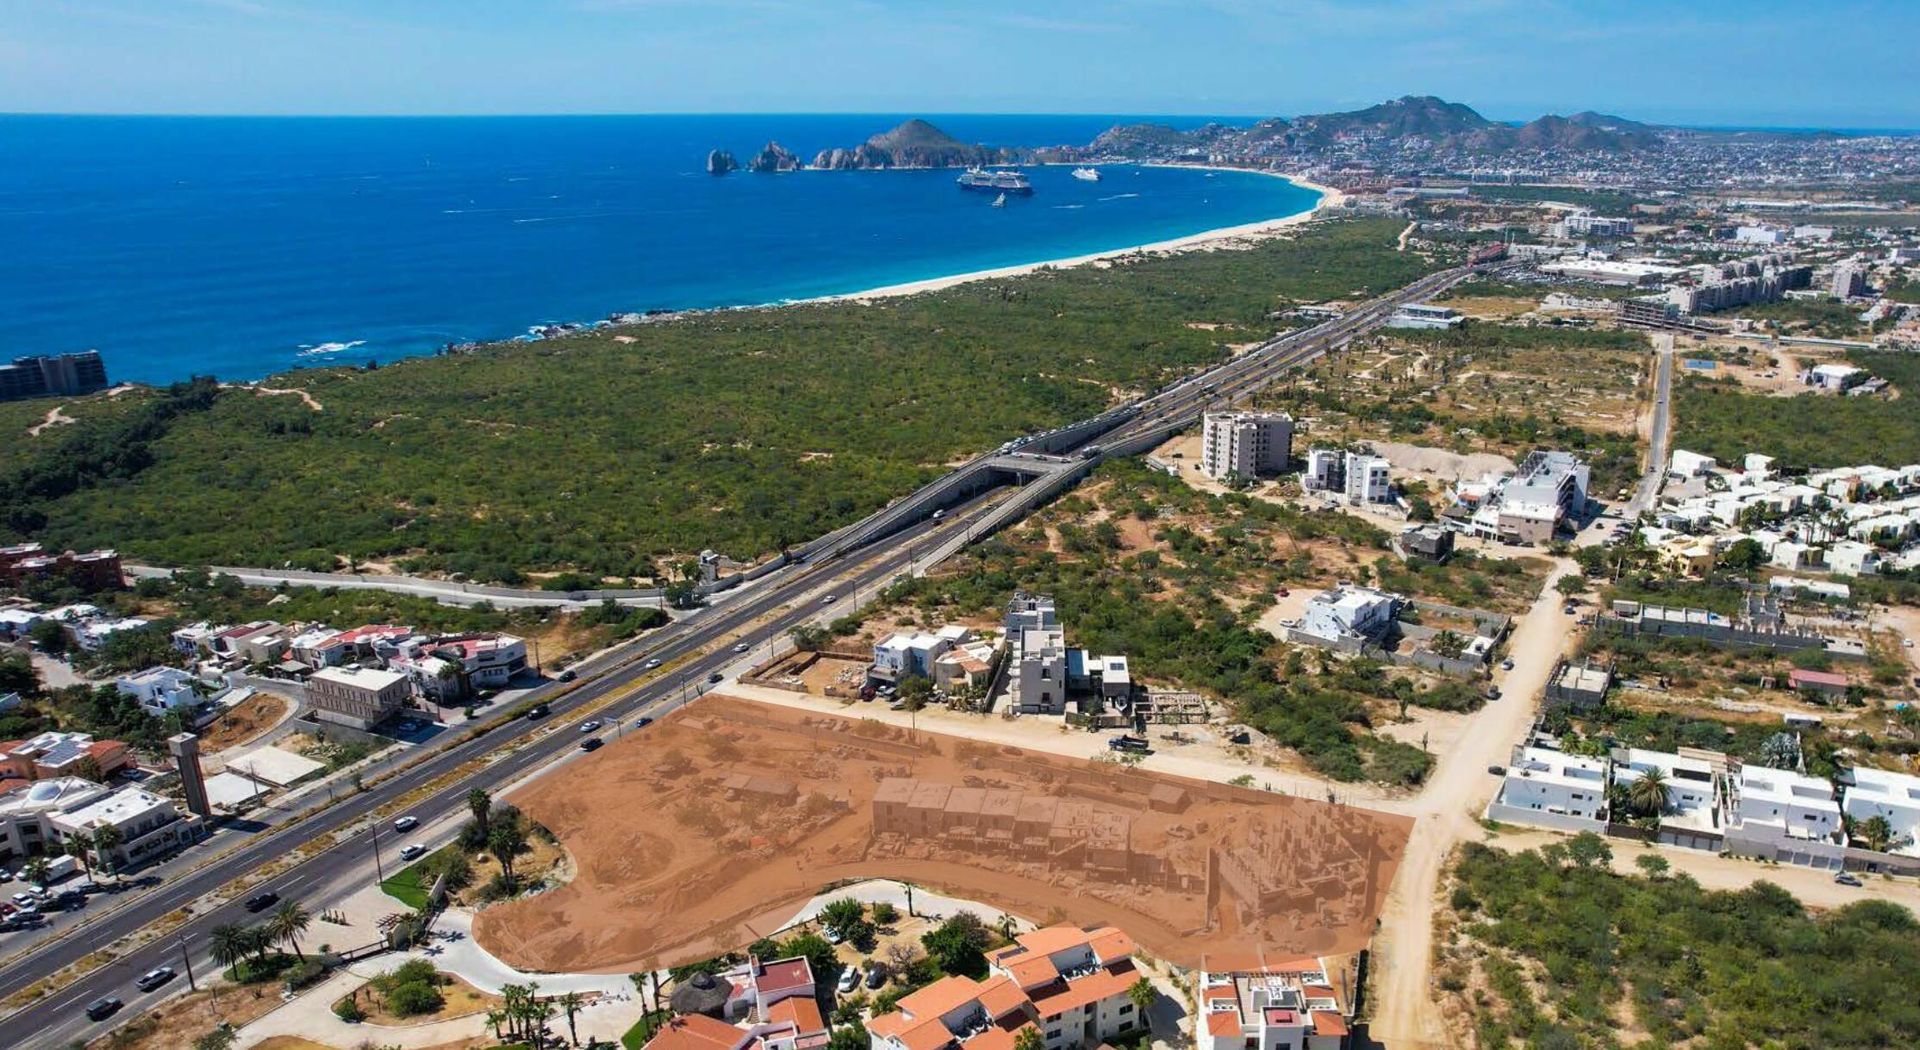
[1876, 832]
[843, 917]
[289, 921]
[1652, 865]
[1647, 794]
[1589, 850]
[958, 945]
[570, 1004]
[228, 944]
[480, 804]
[36, 871]
[221, 1038]
[106, 839]
[1143, 995]
[505, 842]
[1029, 1038]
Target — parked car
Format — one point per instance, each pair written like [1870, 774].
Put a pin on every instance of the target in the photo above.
[875, 978]
[1493, 692]
[591, 743]
[1507, 664]
[716, 677]
[1847, 878]
[589, 725]
[24, 899]
[412, 850]
[102, 1008]
[262, 901]
[407, 823]
[154, 978]
[849, 979]
[1498, 771]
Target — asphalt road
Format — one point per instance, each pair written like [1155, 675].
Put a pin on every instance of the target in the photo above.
[1649, 486]
[692, 648]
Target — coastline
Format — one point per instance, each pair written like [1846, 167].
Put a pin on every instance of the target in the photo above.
[1329, 198]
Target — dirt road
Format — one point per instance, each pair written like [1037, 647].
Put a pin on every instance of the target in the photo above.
[1448, 812]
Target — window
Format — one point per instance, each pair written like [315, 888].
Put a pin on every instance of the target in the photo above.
[1126, 1007]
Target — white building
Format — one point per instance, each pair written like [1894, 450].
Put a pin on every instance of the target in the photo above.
[1895, 797]
[1586, 224]
[1040, 672]
[1760, 235]
[160, 689]
[1326, 470]
[1268, 1004]
[25, 812]
[1349, 615]
[1796, 805]
[149, 825]
[1368, 479]
[1426, 315]
[903, 655]
[1553, 789]
[93, 634]
[1692, 814]
[1833, 377]
[1246, 444]
[1691, 464]
[1852, 558]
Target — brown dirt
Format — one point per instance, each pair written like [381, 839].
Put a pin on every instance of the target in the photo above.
[176, 1023]
[244, 721]
[676, 864]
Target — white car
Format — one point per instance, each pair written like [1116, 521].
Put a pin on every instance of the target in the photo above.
[412, 850]
[651, 664]
[589, 725]
[742, 647]
[849, 979]
[25, 899]
[407, 823]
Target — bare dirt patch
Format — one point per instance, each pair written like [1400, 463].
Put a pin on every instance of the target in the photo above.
[176, 1023]
[712, 827]
[56, 416]
[244, 721]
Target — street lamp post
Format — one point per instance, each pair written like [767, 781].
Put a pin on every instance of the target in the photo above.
[186, 963]
[373, 833]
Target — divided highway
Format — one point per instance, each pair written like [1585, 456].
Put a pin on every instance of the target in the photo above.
[882, 548]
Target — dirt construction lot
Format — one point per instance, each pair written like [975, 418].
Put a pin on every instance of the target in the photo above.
[710, 828]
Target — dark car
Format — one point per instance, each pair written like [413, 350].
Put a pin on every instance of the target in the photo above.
[538, 711]
[875, 977]
[262, 901]
[102, 1008]
[568, 676]
[154, 978]
[591, 743]
[716, 677]
[642, 723]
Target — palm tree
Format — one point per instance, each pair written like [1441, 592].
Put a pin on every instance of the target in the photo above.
[1143, 995]
[1876, 832]
[229, 944]
[1648, 793]
[288, 923]
[107, 838]
[77, 849]
[505, 841]
[481, 805]
[259, 941]
[571, 1002]
[37, 871]
[494, 1017]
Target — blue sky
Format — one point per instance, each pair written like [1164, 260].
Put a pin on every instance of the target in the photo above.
[1834, 63]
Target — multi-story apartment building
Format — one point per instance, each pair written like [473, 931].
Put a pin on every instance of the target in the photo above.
[1260, 1004]
[52, 375]
[1067, 983]
[1893, 797]
[1245, 444]
[361, 697]
[1368, 478]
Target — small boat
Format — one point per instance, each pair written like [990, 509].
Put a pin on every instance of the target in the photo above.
[1000, 201]
[1087, 174]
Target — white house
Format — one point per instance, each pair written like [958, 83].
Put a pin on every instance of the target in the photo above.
[1832, 376]
[1870, 793]
[1349, 615]
[1553, 789]
[1692, 813]
[1368, 479]
[1797, 805]
[904, 655]
[94, 633]
[160, 689]
[1691, 464]
[1268, 1004]
[1852, 558]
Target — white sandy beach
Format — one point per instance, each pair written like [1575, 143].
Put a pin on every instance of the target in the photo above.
[1329, 198]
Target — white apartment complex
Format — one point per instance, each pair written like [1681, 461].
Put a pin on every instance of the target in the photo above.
[1260, 1004]
[1245, 444]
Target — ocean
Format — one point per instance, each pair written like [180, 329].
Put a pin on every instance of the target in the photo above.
[243, 247]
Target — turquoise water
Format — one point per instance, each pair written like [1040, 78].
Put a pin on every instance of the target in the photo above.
[246, 246]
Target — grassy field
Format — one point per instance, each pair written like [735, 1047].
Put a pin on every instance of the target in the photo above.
[741, 430]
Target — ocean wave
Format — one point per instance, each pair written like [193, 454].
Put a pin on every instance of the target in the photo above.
[1068, 207]
[1119, 197]
[329, 348]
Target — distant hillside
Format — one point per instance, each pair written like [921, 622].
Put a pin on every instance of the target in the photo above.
[1420, 116]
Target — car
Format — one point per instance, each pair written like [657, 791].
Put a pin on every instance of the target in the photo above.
[829, 599]
[24, 899]
[1498, 771]
[1507, 664]
[1569, 609]
[1493, 692]
[642, 723]
[716, 677]
[939, 515]
[591, 743]
[589, 725]
[262, 901]
[849, 979]
[1906, 643]
[1847, 878]
[154, 978]
[538, 711]
[832, 935]
[875, 978]
[650, 664]
[568, 676]
[741, 647]
[412, 850]
[102, 1008]
[407, 823]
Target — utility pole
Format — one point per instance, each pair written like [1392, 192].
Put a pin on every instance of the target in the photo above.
[186, 963]
[373, 833]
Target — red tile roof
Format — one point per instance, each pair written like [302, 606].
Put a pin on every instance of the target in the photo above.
[697, 1032]
[1326, 1022]
[1098, 985]
[783, 977]
[801, 1011]
[1223, 1023]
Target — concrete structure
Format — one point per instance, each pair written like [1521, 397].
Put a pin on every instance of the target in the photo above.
[1691, 816]
[1821, 683]
[1067, 983]
[1583, 685]
[1792, 804]
[1893, 797]
[1686, 464]
[1430, 542]
[1368, 479]
[1760, 235]
[185, 748]
[161, 689]
[903, 655]
[1853, 558]
[1586, 224]
[53, 375]
[1609, 272]
[149, 826]
[25, 812]
[1245, 444]
[1426, 315]
[1040, 672]
[1326, 470]
[57, 754]
[23, 563]
[1256, 1003]
[356, 696]
[1849, 280]
[1553, 789]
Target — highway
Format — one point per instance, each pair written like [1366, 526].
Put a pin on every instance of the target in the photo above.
[692, 649]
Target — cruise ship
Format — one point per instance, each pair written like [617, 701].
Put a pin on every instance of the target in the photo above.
[995, 181]
[1087, 174]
